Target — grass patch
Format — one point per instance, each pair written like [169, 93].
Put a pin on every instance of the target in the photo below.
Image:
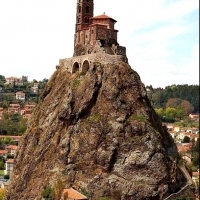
[94, 118]
[1, 172]
[140, 118]
[76, 83]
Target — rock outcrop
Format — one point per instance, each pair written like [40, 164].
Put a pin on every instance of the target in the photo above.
[97, 133]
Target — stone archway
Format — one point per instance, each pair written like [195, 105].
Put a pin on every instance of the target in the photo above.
[85, 67]
[75, 67]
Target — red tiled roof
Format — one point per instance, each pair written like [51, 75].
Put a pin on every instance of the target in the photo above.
[195, 173]
[3, 151]
[103, 16]
[13, 147]
[73, 194]
[11, 136]
[11, 161]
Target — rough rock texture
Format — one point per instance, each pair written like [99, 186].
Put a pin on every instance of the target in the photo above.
[99, 134]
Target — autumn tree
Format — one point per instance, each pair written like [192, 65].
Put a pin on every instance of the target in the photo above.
[172, 103]
[187, 107]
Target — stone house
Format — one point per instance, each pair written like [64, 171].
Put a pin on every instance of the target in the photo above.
[3, 153]
[11, 149]
[20, 95]
[27, 110]
[14, 108]
[9, 167]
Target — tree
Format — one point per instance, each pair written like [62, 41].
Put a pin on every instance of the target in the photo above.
[172, 103]
[171, 113]
[187, 107]
[160, 111]
[7, 140]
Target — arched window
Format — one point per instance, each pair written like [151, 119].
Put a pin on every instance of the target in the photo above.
[87, 9]
[75, 67]
[78, 20]
[85, 67]
[86, 19]
[79, 9]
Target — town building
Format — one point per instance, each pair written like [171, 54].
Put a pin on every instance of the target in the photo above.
[20, 95]
[9, 167]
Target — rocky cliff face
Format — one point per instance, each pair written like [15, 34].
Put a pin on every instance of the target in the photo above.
[98, 133]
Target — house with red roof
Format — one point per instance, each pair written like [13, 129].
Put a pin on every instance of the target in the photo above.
[3, 153]
[11, 149]
[72, 194]
[20, 95]
[9, 166]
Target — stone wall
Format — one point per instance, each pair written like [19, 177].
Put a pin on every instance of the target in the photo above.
[102, 57]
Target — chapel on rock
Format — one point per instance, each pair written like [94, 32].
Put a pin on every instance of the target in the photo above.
[95, 33]
[95, 40]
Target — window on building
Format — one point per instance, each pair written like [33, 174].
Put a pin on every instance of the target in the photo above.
[79, 9]
[87, 9]
[86, 19]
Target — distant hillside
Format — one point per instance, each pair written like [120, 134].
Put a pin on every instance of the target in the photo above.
[160, 96]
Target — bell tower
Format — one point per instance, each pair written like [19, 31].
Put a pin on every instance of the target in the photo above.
[84, 12]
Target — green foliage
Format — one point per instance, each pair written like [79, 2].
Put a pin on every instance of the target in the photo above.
[7, 140]
[94, 118]
[47, 194]
[57, 189]
[103, 198]
[13, 125]
[195, 160]
[2, 165]
[140, 118]
[76, 83]
[85, 193]
[159, 97]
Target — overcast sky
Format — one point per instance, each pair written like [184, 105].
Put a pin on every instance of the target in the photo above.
[161, 37]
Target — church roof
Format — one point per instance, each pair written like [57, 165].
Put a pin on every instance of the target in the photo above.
[103, 16]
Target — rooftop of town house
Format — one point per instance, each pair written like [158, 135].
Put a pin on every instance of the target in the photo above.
[11, 136]
[20, 92]
[10, 161]
[13, 147]
[195, 174]
[73, 194]
[2, 151]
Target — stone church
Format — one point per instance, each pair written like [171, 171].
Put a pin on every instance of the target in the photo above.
[95, 33]
[95, 40]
